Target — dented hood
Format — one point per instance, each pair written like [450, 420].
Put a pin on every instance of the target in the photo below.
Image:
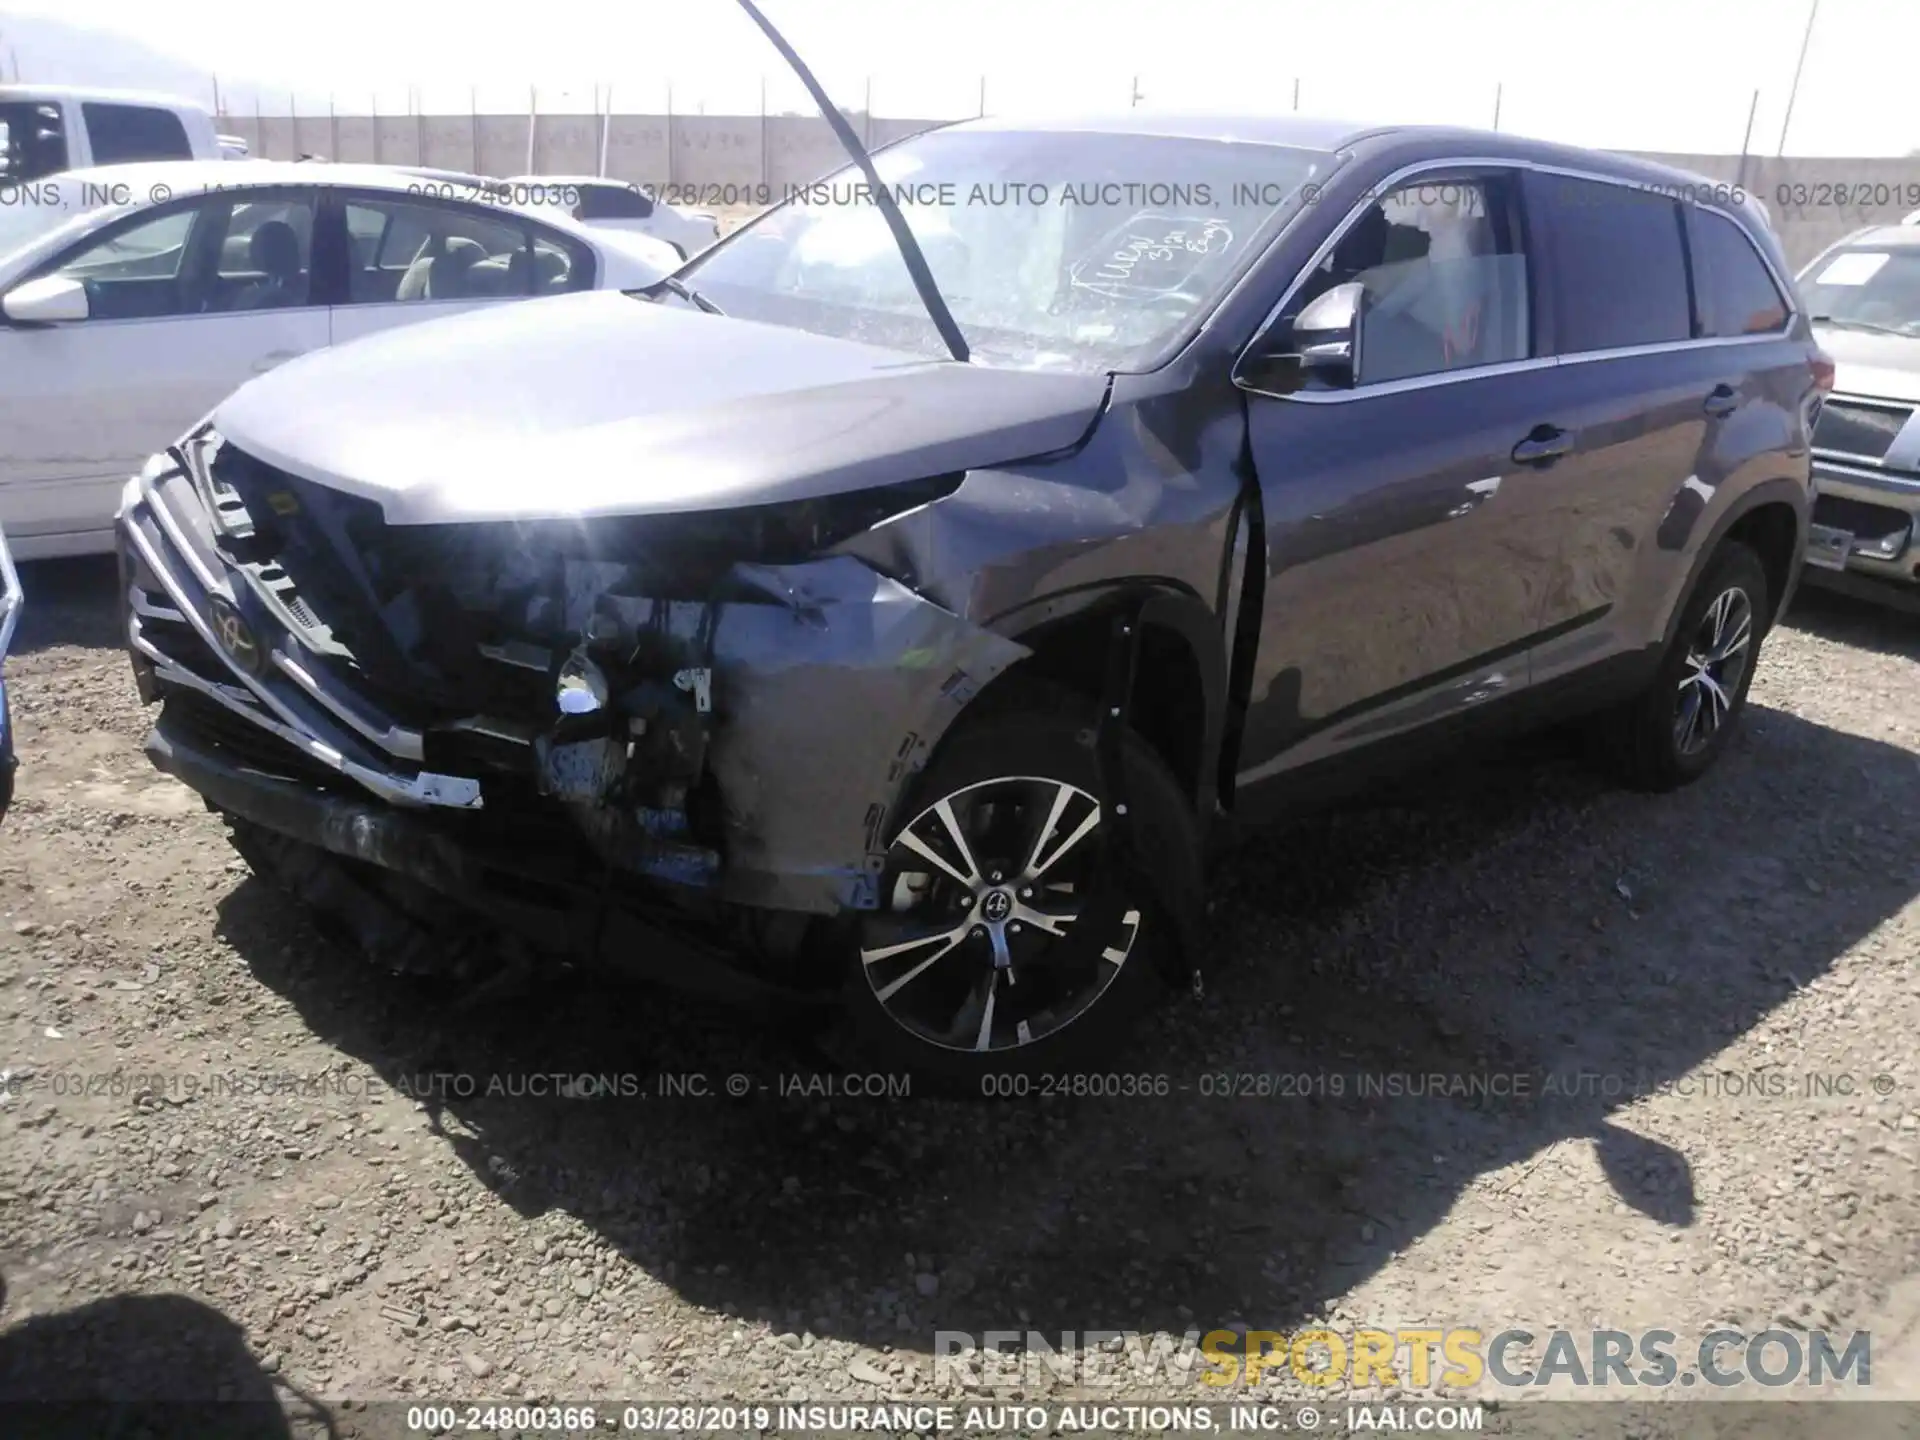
[602, 404]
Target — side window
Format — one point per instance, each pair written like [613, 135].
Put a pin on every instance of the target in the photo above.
[265, 256]
[440, 251]
[365, 230]
[1443, 275]
[1619, 265]
[559, 268]
[1735, 292]
[138, 270]
[613, 202]
[134, 132]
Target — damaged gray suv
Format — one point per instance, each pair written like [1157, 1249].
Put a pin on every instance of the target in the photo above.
[892, 608]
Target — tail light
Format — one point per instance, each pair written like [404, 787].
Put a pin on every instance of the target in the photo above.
[1820, 364]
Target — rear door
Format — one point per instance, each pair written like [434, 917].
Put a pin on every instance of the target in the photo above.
[1652, 404]
[410, 258]
[179, 318]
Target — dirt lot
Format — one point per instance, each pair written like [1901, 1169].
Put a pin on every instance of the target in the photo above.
[197, 1222]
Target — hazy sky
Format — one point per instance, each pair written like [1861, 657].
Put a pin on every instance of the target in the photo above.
[1635, 74]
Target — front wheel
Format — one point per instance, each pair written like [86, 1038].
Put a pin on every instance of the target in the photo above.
[1019, 931]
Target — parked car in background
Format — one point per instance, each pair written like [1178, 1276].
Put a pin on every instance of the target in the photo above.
[890, 615]
[1864, 296]
[133, 299]
[617, 205]
[47, 129]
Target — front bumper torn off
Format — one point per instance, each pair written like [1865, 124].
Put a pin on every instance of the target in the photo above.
[830, 685]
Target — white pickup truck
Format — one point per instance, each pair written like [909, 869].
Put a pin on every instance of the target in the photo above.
[45, 129]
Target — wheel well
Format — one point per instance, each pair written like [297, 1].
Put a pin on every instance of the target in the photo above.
[1169, 707]
[1771, 531]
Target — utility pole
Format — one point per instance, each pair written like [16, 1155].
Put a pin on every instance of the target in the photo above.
[1746, 142]
[606, 128]
[1296, 93]
[1137, 96]
[1497, 88]
[1813, 13]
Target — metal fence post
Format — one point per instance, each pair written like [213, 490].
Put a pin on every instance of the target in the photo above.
[1746, 142]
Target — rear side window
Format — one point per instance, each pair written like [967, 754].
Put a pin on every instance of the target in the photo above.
[1619, 265]
[613, 202]
[1736, 292]
[134, 132]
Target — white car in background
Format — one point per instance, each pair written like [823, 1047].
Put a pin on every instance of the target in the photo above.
[135, 298]
[615, 205]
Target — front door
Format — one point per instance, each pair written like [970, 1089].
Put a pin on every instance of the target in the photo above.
[1410, 513]
[185, 305]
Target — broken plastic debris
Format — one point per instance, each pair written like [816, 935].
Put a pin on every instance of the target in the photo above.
[53, 1034]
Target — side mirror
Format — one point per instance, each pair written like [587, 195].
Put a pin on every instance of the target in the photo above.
[1322, 343]
[50, 300]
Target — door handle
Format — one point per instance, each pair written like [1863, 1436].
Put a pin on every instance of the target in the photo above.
[277, 357]
[1544, 444]
[1721, 400]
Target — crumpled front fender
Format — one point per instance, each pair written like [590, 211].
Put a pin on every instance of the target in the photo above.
[832, 684]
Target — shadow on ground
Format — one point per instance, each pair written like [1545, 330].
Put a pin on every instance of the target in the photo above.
[160, 1366]
[1862, 624]
[1505, 919]
[69, 602]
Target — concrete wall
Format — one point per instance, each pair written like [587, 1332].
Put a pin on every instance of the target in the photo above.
[716, 158]
[744, 152]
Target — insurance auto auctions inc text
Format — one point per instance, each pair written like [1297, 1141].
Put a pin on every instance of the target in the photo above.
[1410, 1357]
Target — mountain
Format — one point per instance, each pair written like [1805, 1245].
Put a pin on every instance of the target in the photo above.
[53, 52]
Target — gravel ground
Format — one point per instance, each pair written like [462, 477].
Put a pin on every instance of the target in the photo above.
[375, 1233]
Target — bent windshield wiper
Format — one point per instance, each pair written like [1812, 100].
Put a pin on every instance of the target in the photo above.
[910, 251]
[685, 291]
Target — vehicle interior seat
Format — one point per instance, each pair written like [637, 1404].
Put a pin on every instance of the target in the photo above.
[502, 275]
[439, 271]
[551, 271]
[274, 251]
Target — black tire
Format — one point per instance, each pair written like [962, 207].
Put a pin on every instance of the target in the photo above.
[1647, 738]
[1141, 898]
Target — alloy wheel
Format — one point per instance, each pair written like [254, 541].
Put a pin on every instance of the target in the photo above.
[982, 890]
[1716, 664]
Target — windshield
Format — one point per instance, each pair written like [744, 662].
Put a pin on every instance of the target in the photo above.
[1067, 251]
[1868, 288]
[21, 224]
